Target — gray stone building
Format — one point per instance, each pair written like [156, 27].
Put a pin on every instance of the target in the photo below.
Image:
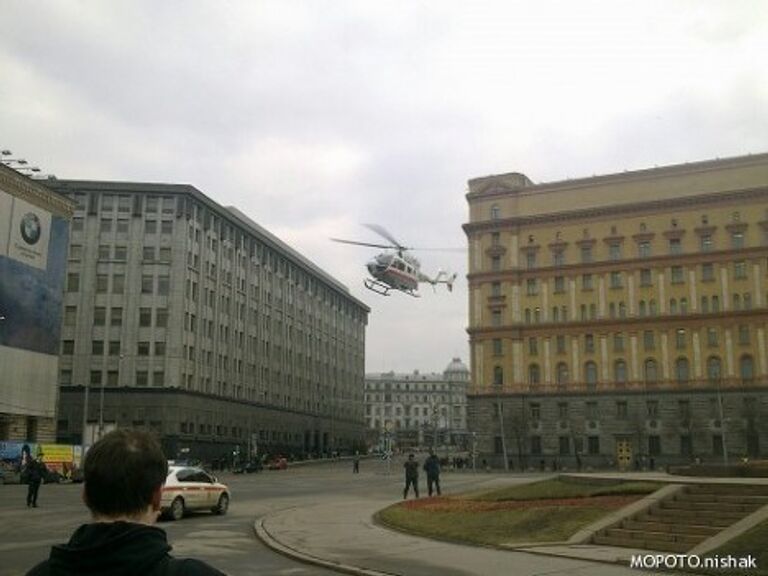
[187, 318]
[418, 409]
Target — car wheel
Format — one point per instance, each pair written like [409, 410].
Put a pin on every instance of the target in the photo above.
[177, 509]
[223, 505]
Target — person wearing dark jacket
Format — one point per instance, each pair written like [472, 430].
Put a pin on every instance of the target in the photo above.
[124, 476]
[35, 473]
[411, 476]
[432, 468]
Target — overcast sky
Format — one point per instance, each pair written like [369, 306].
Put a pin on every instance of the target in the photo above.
[314, 117]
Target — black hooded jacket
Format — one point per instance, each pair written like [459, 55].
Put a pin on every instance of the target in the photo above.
[118, 549]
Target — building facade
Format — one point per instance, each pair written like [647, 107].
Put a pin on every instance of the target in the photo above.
[33, 257]
[187, 318]
[411, 410]
[620, 320]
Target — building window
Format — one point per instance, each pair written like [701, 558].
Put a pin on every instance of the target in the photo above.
[142, 348]
[737, 240]
[102, 283]
[677, 275]
[121, 253]
[100, 316]
[652, 409]
[559, 284]
[622, 412]
[495, 263]
[714, 369]
[116, 317]
[496, 318]
[105, 225]
[682, 370]
[73, 282]
[616, 279]
[496, 289]
[651, 371]
[620, 372]
[495, 238]
[746, 369]
[590, 375]
[536, 445]
[560, 344]
[67, 347]
[648, 340]
[558, 258]
[618, 343]
[686, 445]
[97, 347]
[498, 376]
[586, 254]
[715, 304]
[707, 272]
[646, 278]
[147, 284]
[675, 246]
[497, 349]
[644, 249]
[562, 374]
[534, 376]
[593, 445]
[104, 251]
[680, 339]
[533, 346]
[586, 282]
[589, 343]
[163, 284]
[614, 251]
[654, 445]
[531, 287]
[142, 378]
[495, 212]
[740, 270]
[535, 410]
[712, 338]
[145, 317]
[565, 445]
[530, 259]
[744, 338]
[161, 317]
[705, 243]
[96, 376]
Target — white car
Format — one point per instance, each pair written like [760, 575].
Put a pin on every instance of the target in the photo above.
[192, 488]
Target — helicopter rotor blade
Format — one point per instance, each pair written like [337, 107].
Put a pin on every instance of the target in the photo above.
[356, 243]
[384, 233]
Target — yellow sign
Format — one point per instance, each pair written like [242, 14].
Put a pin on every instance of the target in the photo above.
[56, 452]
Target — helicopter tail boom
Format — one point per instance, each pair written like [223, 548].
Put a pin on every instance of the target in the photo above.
[442, 278]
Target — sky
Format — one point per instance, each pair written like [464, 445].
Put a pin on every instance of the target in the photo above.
[315, 117]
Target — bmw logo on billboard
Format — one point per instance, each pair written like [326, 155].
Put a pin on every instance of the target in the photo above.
[30, 228]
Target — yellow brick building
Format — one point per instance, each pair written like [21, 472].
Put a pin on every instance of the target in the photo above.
[620, 319]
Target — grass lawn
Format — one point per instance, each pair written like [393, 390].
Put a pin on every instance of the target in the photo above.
[548, 511]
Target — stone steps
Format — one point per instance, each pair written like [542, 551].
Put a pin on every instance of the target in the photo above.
[680, 522]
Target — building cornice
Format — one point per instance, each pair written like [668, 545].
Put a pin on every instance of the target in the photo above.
[35, 193]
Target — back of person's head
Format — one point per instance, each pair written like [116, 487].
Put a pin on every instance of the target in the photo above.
[122, 471]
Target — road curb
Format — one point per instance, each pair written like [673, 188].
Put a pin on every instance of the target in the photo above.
[263, 534]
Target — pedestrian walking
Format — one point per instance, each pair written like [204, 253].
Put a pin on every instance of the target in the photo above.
[411, 476]
[124, 476]
[432, 468]
[35, 473]
[356, 463]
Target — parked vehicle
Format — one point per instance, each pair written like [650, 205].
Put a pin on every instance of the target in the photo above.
[278, 463]
[249, 467]
[192, 488]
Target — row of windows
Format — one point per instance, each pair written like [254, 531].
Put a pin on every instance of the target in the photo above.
[616, 279]
[142, 378]
[619, 341]
[114, 348]
[121, 226]
[650, 372]
[654, 447]
[116, 316]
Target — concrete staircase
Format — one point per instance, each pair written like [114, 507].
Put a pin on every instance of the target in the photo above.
[680, 522]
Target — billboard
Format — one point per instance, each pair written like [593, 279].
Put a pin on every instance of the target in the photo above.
[33, 258]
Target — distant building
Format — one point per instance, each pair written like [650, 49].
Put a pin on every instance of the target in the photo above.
[188, 319]
[33, 258]
[418, 409]
[620, 319]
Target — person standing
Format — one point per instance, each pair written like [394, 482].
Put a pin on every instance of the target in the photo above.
[432, 468]
[124, 476]
[356, 463]
[411, 476]
[36, 471]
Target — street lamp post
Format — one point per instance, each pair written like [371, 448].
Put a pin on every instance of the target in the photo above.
[87, 385]
[500, 407]
[722, 423]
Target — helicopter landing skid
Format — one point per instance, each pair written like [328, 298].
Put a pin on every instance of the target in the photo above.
[384, 289]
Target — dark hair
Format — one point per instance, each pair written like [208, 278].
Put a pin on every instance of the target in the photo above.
[122, 471]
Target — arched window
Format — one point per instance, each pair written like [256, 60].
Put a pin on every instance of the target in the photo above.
[622, 310]
[495, 212]
[498, 376]
[642, 309]
[746, 368]
[534, 375]
[714, 369]
[715, 304]
[592, 311]
[527, 315]
[737, 301]
[705, 305]
[650, 369]
[683, 305]
[681, 370]
[620, 372]
[562, 374]
[590, 375]
[537, 315]
[672, 306]
[555, 314]
[747, 300]
[652, 307]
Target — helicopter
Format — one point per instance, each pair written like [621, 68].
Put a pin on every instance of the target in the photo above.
[396, 269]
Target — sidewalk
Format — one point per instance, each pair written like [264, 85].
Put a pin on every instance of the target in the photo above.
[341, 535]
